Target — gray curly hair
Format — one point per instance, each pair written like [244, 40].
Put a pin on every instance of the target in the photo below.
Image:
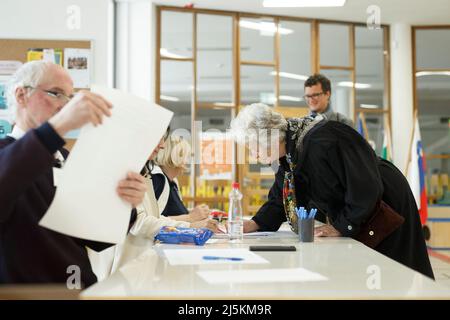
[256, 117]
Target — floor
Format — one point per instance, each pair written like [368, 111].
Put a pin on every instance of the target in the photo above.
[440, 261]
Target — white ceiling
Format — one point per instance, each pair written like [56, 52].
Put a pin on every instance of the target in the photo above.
[415, 12]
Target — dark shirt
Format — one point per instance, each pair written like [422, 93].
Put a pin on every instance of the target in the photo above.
[30, 253]
[174, 206]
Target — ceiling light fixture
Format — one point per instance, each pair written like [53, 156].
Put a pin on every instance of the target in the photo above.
[432, 73]
[290, 98]
[224, 104]
[166, 53]
[350, 84]
[302, 3]
[290, 75]
[169, 98]
[368, 106]
[264, 26]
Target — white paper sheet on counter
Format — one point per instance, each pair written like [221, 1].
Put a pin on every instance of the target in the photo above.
[260, 276]
[195, 256]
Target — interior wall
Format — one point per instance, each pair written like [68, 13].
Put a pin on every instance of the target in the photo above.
[401, 92]
[49, 19]
[135, 43]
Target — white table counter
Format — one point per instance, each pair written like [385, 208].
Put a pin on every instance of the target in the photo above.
[351, 268]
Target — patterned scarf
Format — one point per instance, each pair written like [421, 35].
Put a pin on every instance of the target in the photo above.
[296, 132]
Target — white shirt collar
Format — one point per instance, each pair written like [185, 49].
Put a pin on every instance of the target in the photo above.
[18, 133]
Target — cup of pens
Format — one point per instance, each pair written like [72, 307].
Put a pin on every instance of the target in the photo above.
[306, 224]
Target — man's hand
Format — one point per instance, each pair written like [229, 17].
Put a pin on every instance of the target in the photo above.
[326, 231]
[200, 212]
[85, 107]
[132, 189]
[210, 224]
[250, 226]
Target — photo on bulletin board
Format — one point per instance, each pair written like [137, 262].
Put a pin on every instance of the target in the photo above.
[51, 55]
[77, 63]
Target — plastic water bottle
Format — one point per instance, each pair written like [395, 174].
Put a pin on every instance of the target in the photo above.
[235, 219]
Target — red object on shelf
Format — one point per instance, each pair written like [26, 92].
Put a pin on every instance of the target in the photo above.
[218, 214]
[189, 5]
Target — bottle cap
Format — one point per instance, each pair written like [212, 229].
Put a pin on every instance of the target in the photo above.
[235, 185]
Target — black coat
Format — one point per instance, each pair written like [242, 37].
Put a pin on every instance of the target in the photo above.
[339, 173]
[30, 253]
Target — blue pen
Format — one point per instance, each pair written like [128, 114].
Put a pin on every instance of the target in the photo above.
[222, 258]
[312, 213]
[298, 211]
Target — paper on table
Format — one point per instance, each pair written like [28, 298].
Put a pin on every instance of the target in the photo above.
[260, 275]
[86, 204]
[258, 234]
[263, 234]
[195, 256]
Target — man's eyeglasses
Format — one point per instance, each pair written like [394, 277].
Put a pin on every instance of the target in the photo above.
[312, 96]
[54, 94]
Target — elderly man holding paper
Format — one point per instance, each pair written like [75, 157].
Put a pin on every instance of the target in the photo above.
[41, 96]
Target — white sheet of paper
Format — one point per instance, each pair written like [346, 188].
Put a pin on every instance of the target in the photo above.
[49, 55]
[86, 204]
[261, 234]
[195, 256]
[258, 234]
[8, 67]
[260, 275]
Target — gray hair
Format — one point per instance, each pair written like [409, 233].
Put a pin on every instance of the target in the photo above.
[30, 74]
[256, 117]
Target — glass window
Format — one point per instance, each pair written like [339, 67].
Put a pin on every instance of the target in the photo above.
[334, 45]
[257, 39]
[176, 91]
[369, 68]
[257, 85]
[433, 92]
[433, 49]
[214, 107]
[214, 170]
[176, 95]
[214, 60]
[176, 34]
[375, 127]
[433, 103]
[295, 63]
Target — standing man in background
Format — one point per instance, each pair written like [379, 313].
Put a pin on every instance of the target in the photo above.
[317, 96]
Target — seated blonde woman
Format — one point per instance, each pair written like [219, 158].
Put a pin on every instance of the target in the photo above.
[148, 223]
[171, 162]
